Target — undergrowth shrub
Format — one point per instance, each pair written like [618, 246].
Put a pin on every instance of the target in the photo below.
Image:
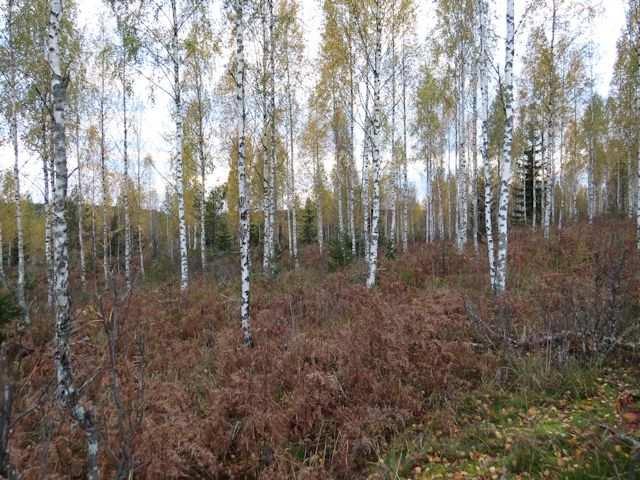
[337, 370]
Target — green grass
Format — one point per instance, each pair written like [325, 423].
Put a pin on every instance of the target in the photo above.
[536, 426]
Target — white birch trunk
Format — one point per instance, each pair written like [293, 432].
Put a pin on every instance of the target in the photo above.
[103, 181]
[352, 156]
[266, 170]
[484, 91]
[293, 242]
[474, 148]
[177, 99]
[203, 169]
[549, 192]
[243, 191]
[461, 177]
[125, 191]
[21, 298]
[505, 180]
[48, 253]
[273, 203]
[405, 158]
[376, 140]
[83, 277]
[3, 277]
[365, 174]
[66, 393]
[318, 194]
[394, 160]
[549, 184]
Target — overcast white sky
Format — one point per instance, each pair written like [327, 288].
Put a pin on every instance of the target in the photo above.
[156, 121]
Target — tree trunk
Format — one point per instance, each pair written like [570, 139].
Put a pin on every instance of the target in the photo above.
[48, 253]
[3, 277]
[67, 394]
[376, 134]
[292, 180]
[22, 302]
[243, 191]
[474, 149]
[203, 169]
[83, 278]
[484, 91]
[505, 180]
[365, 174]
[549, 183]
[125, 189]
[318, 193]
[391, 239]
[405, 159]
[177, 99]
[352, 155]
[461, 177]
[103, 180]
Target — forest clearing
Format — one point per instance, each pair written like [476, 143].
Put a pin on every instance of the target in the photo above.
[319, 239]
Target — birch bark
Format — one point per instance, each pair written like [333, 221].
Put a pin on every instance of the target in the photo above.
[20, 285]
[243, 192]
[505, 180]
[405, 159]
[3, 277]
[376, 131]
[67, 394]
[177, 99]
[291, 174]
[83, 278]
[484, 92]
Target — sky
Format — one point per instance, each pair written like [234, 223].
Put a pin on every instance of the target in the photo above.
[156, 123]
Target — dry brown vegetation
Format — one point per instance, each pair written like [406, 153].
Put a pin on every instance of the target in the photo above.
[337, 371]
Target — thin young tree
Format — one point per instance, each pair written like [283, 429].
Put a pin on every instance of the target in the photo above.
[243, 191]
[376, 144]
[484, 144]
[13, 127]
[67, 394]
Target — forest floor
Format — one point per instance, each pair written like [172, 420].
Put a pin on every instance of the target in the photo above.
[571, 430]
[345, 383]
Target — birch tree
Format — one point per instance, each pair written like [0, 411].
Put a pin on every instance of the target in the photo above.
[292, 54]
[127, 51]
[243, 191]
[201, 46]
[67, 393]
[376, 127]
[484, 143]
[505, 175]
[3, 277]
[12, 114]
[165, 47]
